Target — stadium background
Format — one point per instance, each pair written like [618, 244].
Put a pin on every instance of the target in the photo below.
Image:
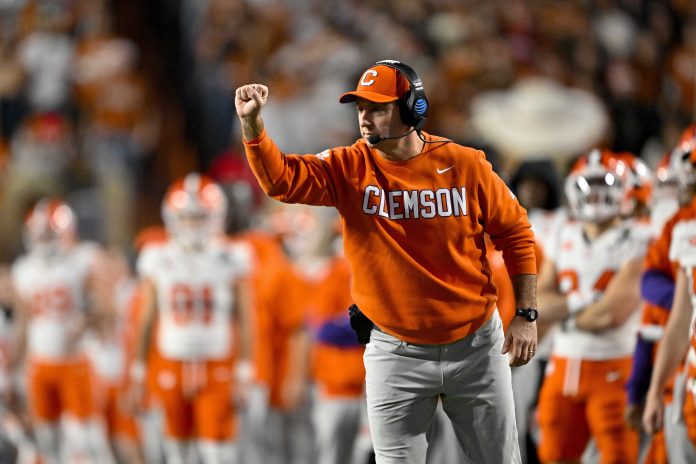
[105, 103]
[141, 92]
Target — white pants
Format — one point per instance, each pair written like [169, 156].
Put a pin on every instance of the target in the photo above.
[470, 376]
[443, 446]
[679, 447]
[272, 436]
[337, 423]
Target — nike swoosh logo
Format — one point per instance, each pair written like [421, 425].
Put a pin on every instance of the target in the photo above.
[440, 171]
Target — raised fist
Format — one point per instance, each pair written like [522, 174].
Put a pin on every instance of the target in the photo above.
[249, 99]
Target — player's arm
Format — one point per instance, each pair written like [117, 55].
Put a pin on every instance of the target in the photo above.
[670, 353]
[148, 295]
[552, 303]
[242, 317]
[288, 178]
[22, 315]
[17, 353]
[295, 384]
[99, 310]
[96, 309]
[618, 302]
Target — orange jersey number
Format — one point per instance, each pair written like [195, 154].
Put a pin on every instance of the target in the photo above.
[568, 281]
[54, 300]
[192, 304]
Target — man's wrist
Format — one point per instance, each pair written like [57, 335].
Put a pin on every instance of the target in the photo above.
[252, 128]
[530, 313]
[655, 394]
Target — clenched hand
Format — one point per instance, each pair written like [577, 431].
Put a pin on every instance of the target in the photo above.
[249, 99]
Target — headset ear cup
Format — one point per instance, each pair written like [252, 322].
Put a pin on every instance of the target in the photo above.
[406, 112]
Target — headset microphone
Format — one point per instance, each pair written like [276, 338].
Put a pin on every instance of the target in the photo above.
[374, 139]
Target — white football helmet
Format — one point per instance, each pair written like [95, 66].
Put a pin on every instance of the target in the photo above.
[49, 227]
[684, 158]
[194, 210]
[598, 187]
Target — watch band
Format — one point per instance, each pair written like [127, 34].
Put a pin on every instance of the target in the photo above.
[529, 313]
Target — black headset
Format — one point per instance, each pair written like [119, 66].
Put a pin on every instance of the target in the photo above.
[413, 106]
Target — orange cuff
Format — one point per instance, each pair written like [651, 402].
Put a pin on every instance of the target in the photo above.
[526, 266]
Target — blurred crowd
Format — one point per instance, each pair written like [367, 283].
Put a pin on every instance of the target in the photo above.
[636, 56]
[87, 112]
[105, 111]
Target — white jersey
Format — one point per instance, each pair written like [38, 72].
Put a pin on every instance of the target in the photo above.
[106, 356]
[682, 248]
[683, 251]
[54, 288]
[661, 212]
[588, 266]
[194, 297]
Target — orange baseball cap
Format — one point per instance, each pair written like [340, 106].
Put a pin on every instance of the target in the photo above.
[379, 84]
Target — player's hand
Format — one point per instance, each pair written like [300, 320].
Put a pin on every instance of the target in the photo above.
[292, 392]
[633, 416]
[520, 341]
[135, 394]
[653, 413]
[134, 398]
[249, 99]
[243, 383]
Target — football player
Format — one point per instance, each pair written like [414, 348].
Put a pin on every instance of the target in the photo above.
[593, 286]
[657, 291]
[195, 285]
[109, 346]
[53, 285]
[674, 344]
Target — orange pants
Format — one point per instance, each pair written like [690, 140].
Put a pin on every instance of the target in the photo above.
[119, 423]
[59, 387]
[583, 399]
[197, 399]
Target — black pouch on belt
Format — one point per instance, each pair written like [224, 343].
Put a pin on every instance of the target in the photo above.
[360, 324]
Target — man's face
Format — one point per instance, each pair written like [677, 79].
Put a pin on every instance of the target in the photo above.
[379, 118]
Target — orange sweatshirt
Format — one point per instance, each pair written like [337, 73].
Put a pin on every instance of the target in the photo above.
[413, 230]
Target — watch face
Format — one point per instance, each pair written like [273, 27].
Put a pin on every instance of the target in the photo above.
[532, 315]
